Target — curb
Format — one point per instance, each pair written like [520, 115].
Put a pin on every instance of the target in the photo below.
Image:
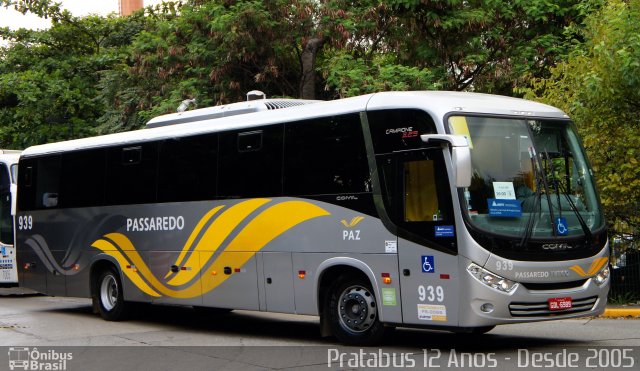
[621, 312]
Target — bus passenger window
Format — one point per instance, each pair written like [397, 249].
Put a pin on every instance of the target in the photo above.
[6, 219]
[188, 168]
[131, 174]
[251, 141]
[131, 155]
[48, 182]
[326, 156]
[420, 194]
[250, 163]
[83, 178]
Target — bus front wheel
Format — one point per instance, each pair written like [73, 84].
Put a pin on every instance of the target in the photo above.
[352, 312]
[111, 304]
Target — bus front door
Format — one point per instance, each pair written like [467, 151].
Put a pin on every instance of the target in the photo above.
[422, 210]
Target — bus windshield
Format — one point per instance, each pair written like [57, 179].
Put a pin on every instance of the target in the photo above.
[530, 178]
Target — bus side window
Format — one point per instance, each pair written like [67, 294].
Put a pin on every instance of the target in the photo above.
[83, 178]
[6, 220]
[188, 168]
[326, 156]
[417, 198]
[5, 179]
[26, 189]
[48, 182]
[420, 193]
[131, 174]
[251, 141]
[250, 163]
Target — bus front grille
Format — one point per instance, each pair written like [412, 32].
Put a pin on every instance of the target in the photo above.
[534, 286]
[541, 309]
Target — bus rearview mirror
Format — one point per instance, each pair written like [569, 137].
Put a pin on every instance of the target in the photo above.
[460, 155]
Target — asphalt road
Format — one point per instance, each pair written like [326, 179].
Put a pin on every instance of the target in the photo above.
[168, 338]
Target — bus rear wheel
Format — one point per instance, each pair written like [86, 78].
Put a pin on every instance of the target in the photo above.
[110, 295]
[352, 312]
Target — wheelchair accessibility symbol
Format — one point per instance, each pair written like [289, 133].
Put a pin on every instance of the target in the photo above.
[561, 226]
[428, 265]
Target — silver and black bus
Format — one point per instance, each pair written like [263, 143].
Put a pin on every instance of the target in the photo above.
[454, 211]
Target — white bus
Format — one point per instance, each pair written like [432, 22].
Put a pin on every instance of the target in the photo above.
[442, 210]
[8, 188]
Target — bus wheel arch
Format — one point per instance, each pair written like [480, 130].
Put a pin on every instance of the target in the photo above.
[107, 292]
[348, 306]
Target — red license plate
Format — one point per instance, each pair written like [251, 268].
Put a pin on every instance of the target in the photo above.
[559, 303]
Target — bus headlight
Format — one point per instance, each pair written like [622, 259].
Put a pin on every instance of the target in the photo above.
[490, 279]
[602, 276]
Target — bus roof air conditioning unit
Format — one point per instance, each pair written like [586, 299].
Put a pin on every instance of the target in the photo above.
[256, 102]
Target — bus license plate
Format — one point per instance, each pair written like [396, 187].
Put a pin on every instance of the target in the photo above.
[559, 303]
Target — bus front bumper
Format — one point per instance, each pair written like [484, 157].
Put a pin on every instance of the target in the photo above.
[488, 306]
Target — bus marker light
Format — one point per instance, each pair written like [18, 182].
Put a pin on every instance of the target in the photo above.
[27, 266]
[386, 278]
[76, 267]
[444, 277]
[214, 273]
[302, 274]
[237, 270]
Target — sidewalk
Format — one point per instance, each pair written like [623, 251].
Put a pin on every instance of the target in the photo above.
[616, 311]
[16, 291]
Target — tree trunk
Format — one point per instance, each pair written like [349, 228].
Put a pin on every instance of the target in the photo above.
[308, 61]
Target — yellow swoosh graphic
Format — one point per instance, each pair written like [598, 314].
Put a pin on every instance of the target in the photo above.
[194, 234]
[595, 267]
[353, 222]
[259, 231]
[213, 238]
[108, 248]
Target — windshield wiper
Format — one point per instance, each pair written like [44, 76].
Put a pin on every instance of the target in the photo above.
[531, 221]
[543, 176]
[561, 189]
[537, 207]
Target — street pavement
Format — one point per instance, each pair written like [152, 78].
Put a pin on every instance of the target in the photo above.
[173, 337]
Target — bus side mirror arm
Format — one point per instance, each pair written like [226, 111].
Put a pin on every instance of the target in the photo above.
[460, 155]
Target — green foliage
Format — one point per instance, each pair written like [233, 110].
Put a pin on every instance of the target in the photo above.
[349, 76]
[49, 79]
[486, 45]
[98, 75]
[213, 51]
[599, 86]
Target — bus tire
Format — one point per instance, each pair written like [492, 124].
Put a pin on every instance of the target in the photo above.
[110, 295]
[352, 312]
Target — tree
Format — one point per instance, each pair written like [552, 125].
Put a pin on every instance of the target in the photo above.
[48, 78]
[599, 87]
[126, 71]
[485, 45]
